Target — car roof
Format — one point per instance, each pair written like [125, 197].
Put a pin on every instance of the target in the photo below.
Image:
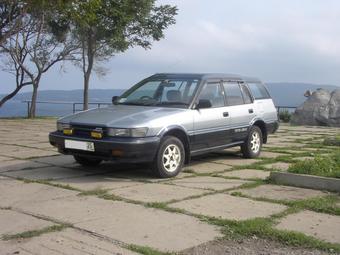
[205, 76]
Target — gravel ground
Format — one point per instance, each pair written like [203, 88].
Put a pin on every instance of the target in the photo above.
[250, 247]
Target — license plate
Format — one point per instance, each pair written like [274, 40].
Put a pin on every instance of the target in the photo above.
[79, 145]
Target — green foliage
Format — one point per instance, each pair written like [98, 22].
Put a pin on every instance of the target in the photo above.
[285, 116]
[328, 166]
[107, 27]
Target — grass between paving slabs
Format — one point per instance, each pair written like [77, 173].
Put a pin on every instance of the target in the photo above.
[325, 204]
[321, 165]
[48, 182]
[33, 233]
[263, 228]
[146, 250]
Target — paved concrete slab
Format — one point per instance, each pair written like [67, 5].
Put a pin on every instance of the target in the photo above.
[69, 241]
[27, 153]
[97, 182]
[16, 164]
[46, 173]
[319, 225]
[136, 173]
[206, 167]
[235, 161]
[282, 166]
[58, 160]
[248, 174]
[278, 192]
[12, 222]
[268, 154]
[2, 159]
[207, 182]
[155, 192]
[127, 222]
[281, 145]
[229, 207]
[13, 193]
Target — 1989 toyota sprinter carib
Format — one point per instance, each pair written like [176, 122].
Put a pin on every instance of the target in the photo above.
[167, 118]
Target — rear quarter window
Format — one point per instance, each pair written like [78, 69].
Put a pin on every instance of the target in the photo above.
[258, 91]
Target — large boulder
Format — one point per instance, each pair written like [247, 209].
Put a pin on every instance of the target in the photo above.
[322, 108]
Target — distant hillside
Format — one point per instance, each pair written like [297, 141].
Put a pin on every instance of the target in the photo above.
[291, 94]
[95, 95]
[284, 94]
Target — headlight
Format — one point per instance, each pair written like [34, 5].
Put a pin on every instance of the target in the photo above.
[62, 126]
[127, 132]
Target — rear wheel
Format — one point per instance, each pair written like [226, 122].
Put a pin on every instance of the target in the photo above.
[170, 157]
[252, 146]
[87, 161]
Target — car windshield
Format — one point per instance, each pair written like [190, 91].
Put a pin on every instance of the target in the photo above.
[167, 93]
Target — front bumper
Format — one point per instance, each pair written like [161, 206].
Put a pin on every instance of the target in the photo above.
[134, 150]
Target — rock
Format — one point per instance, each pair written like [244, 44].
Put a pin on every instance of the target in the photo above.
[322, 108]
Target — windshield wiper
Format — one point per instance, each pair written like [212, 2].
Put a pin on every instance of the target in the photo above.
[172, 103]
[137, 103]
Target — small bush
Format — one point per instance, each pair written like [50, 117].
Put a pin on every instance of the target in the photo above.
[285, 116]
[328, 166]
[333, 141]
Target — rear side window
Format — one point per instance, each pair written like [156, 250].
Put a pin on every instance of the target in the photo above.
[246, 94]
[233, 93]
[258, 91]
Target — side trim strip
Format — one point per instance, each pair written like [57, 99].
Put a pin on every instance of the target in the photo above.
[216, 147]
[211, 130]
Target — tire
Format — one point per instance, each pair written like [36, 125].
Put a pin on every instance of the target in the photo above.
[170, 158]
[252, 146]
[87, 161]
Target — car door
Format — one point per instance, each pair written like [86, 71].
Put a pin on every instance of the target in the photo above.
[240, 109]
[210, 124]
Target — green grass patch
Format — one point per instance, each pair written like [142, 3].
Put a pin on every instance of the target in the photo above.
[94, 192]
[324, 204]
[146, 250]
[48, 182]
[321, 165]
[263, 228]
[33, 233]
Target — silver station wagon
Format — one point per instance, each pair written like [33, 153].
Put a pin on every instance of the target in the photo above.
[168, 118]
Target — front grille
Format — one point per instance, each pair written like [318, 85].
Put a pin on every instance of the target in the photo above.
[84, 131]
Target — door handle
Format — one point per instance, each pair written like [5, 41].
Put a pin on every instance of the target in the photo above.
[226, 114]
[250, 110]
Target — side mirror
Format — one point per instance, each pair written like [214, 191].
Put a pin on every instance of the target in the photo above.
[114, 99]
[203, 103]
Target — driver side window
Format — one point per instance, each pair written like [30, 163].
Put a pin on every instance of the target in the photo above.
[213, 93]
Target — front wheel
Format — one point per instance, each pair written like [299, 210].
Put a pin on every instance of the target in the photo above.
[170, 157]
[87, 161]
[252, 146]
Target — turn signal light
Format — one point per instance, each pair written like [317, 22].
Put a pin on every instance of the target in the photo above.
[68, 131]
[97, 135]
[117, 153]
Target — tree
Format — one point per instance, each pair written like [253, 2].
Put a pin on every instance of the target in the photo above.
[11, 13]
[104, 28]
[34, 49]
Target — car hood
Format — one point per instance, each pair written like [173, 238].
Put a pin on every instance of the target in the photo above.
[120, 116]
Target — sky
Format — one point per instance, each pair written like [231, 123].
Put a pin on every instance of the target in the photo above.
[274, 40]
